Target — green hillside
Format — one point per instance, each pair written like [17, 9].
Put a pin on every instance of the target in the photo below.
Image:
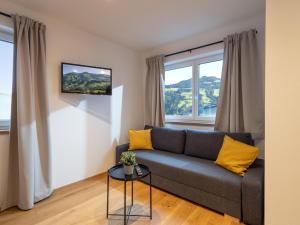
[178, 97]
[86, 83]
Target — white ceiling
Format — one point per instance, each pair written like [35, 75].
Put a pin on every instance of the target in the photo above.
[142, 24]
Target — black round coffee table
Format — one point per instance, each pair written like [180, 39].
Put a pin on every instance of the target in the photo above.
[117, 173]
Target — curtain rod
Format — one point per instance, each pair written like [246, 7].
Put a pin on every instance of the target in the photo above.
[192, 49]
[5, 14]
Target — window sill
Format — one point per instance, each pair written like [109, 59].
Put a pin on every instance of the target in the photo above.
[4, 132]
[209, 123]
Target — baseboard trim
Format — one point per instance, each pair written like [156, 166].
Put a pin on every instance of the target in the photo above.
[97, 176]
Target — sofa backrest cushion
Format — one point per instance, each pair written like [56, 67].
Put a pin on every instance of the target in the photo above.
[167, 139]
[207, 144]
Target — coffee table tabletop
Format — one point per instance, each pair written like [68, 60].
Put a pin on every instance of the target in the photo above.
[117, 172]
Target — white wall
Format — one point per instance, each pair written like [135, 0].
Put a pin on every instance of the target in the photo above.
[85, 129]
[257, 22]
[282, 186]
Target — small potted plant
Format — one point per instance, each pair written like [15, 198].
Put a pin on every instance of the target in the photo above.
[129, 161]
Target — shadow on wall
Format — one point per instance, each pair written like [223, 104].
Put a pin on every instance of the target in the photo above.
[105, 107]
[100, 146]
[90, 146]
[97, 105]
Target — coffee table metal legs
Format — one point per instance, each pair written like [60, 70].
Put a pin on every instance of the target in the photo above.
[125, 221]
[132, 192]
[125, 214]
[150, 184]
[107, 196]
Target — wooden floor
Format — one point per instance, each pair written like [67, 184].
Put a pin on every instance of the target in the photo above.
[84, 203]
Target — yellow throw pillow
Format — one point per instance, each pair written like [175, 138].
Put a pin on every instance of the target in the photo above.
[236, 156]
[140, 139]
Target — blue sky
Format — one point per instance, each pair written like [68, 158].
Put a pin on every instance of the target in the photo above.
[207, 69]
[6, 66]
[79, 69]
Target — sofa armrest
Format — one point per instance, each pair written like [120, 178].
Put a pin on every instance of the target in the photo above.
[119, 150]
[253, 196]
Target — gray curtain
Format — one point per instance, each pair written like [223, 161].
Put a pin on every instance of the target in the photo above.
[241, 105]
[155, 108]
[30, 164]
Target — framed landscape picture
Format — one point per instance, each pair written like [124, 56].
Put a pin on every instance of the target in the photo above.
[82, 79]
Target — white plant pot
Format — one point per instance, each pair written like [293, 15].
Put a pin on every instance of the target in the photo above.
[128, 170]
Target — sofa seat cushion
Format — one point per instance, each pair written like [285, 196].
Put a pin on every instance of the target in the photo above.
[198, 173]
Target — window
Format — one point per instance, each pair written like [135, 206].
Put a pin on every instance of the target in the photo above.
[209, 87]
[6, 67]
[192, 90]
[178, 91]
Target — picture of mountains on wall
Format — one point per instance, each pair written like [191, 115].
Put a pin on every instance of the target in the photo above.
[86, 80]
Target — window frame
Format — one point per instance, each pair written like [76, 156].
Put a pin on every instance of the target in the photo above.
[6, 35]
[195, 63]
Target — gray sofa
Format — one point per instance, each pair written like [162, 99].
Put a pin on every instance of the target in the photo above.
[183, 164]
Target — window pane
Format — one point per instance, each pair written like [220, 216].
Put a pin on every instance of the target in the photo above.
[6, 66]
[178, 92]
[209, 88]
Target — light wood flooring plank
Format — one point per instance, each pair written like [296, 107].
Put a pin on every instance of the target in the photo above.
[84, 203]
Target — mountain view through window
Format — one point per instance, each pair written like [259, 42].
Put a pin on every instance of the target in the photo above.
[209, 88]
[179, 90]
